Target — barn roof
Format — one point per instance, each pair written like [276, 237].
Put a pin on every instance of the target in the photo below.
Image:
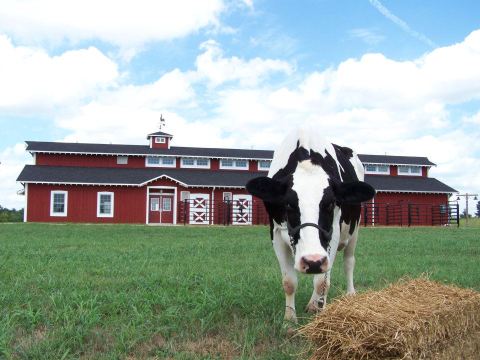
[388, 183]
[132, 176]
[120, 149]
[199, 178]
[395, 160]
[159, 133]
[143, 150]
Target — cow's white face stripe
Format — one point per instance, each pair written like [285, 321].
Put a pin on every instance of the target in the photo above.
[309, 182]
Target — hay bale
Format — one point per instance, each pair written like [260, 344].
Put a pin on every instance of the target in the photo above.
[409, 319]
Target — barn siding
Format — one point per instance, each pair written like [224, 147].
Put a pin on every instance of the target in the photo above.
[129, 204]
[88, 160]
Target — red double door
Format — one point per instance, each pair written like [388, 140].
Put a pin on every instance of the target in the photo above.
[161, 208]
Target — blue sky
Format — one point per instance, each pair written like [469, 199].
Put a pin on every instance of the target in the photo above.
[396, 77]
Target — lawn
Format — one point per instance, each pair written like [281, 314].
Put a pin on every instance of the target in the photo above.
[137, 292]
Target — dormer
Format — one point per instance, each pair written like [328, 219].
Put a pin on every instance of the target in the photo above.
[159, 140]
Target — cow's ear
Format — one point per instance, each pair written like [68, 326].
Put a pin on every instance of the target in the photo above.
[352, 192]
[267, 189]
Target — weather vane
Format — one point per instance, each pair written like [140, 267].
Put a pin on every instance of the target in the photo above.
[162, 122]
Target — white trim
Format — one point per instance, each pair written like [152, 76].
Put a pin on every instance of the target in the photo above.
[34, 159]
[396, 164]
[25, 209]
[65, 205]
[161, 165]
[150, 154]
[77, 183]
[409, 173]
[418, 192]
[112, 199]
[174, 201]
[182, 198]
[376, 172]
[160, 140]
[122, 157]
[234, 166]
[259, 168]
[195, 166]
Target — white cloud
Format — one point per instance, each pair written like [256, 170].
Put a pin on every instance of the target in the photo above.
[33, 81]
[124, 23]
[217, 69]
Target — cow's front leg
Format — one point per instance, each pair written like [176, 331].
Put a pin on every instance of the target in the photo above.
[289, 276]
[321, 284]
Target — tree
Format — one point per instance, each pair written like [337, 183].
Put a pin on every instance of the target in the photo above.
[477, 213]
[7, 215]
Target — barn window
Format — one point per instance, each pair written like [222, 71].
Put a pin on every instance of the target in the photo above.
[234, 164]
[409, 170]
[160, 140]
[160, 161]
[122, 160]
[264, 164]
[166, 204]
[58, 203]
[105, 204]
[184, 195]
[377, 169]
[191, 162]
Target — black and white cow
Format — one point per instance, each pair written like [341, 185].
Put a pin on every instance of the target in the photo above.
[312, 194]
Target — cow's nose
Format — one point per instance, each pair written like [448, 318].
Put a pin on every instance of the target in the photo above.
[314, 264]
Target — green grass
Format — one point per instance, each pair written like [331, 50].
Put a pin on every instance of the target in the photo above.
[119, 291]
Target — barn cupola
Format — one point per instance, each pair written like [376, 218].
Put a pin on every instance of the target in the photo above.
[159, 140]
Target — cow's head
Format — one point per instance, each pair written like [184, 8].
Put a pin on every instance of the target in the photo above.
[309, 201]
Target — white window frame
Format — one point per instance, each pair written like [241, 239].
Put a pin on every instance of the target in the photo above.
[235, 166]
[229, 194]
[160, 140]
[122, 160]
[184, 195]
[195, 165]
[263, 167]
[112, 197]
[165, 200]
[154, 201]
[376, 169]
[161, 164]
[409, 172]
[65, 205]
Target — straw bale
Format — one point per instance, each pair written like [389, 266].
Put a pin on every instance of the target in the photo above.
[411, 319]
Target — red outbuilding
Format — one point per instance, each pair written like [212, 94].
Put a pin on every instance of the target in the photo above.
[163, 184]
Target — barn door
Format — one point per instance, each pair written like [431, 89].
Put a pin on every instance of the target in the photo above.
[199, 209]
[242, 210]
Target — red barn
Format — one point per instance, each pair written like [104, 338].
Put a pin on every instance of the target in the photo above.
[163, 184]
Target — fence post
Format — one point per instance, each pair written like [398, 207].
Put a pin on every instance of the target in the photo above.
[409, 214]
[365, 214]
[185, 211]
[458, 215]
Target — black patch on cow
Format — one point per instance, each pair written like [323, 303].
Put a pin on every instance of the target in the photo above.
[297, 155]
[350, 212]
[325, 215]
[328, 164]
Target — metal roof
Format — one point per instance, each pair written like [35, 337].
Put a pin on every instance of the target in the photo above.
[395, 160]
[199, 178]
[145, 150]
[159, 133]
[133, 176]
[418, 184]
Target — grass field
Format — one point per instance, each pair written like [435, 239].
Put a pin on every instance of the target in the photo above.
[137, 292]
